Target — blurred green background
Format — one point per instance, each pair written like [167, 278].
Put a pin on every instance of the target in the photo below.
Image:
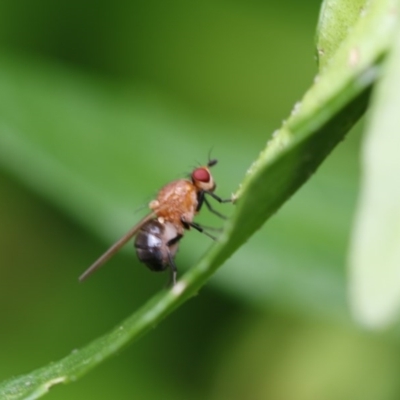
[101, 104]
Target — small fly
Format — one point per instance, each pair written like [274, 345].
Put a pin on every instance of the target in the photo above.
[158, 234]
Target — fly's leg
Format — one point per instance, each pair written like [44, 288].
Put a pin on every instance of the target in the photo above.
[171, 262]
[198, 227]
[213, 210]
[216, 197]
[201, 199]
[173, 270]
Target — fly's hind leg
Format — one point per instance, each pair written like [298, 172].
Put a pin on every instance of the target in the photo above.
[171, 262]
[173, 270]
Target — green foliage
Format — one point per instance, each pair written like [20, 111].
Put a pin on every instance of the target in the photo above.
[66, 147]
[375, 256]
[336, 21]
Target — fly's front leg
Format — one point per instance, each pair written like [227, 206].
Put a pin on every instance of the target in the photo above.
[216, 197]
[201, 199]
[213, 210]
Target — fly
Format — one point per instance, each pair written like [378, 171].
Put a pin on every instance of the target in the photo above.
[158, 234]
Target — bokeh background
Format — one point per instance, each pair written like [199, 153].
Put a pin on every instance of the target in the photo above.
[101, 104]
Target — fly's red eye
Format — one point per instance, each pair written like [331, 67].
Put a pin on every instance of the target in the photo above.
[201, 174]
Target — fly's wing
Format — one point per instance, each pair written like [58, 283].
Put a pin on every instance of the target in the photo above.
[116, 247]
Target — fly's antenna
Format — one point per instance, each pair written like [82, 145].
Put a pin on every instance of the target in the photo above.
[211, 161]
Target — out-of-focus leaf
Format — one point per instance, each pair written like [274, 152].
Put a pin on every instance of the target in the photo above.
[375, 252]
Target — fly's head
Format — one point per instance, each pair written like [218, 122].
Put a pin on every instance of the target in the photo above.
[202, 178]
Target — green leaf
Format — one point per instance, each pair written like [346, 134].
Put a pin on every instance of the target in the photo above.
[336, 21]
[317, 124]
[375, 252]
[100, 164]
